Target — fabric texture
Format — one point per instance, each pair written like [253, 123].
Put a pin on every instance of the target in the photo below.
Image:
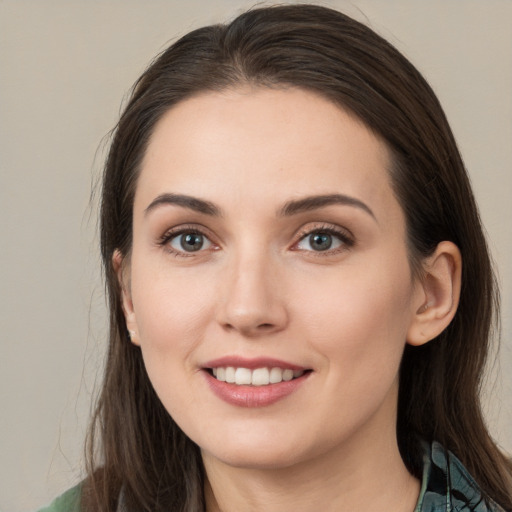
[446, 487]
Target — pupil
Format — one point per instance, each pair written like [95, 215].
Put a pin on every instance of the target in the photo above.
[192, 242]
[321, 241]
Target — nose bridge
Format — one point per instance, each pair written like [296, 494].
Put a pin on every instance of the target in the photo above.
[252, 296]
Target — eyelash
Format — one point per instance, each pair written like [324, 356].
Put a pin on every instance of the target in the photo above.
[183, 230]
[343, 235]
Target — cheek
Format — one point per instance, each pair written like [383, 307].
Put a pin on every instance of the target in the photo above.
[359, 319]
[171, 314]
[172, 310]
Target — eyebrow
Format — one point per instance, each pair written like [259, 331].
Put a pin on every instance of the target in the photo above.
[290, 208]
[309, 203]
[192, 203]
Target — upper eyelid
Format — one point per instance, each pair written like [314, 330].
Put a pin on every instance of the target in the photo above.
[327, 226]
[185, 228]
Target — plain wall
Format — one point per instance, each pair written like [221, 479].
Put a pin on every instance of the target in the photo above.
[65, 66]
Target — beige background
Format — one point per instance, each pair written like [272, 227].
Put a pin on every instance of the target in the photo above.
[64, 69]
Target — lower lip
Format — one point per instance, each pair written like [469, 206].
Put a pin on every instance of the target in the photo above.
[254, 396]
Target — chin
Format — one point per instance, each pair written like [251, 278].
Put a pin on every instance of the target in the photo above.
[264, 452]
[256, 458]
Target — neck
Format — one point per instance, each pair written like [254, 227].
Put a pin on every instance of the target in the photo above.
[360, 477]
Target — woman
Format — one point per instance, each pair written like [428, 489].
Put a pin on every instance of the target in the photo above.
[300, 292]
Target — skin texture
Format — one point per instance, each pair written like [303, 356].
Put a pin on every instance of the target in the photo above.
[258, 288]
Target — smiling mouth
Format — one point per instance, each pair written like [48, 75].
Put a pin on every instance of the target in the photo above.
[257, 377]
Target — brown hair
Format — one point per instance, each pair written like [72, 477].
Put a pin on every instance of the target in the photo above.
[140, 448]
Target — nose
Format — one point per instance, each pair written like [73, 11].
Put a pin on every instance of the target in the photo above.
[252, 298]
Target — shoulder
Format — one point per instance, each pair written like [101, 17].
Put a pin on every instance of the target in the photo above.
[67, 502]
[447, 485]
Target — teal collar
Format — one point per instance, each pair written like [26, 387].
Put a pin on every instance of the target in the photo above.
[447, 486]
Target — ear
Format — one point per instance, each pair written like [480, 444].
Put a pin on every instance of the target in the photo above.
[121, 269]
[440, 291]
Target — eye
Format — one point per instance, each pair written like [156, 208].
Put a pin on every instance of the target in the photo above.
[188, 241]
[324, 240]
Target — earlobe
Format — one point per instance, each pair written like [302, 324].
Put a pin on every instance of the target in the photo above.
[121, 269]
[440, 294]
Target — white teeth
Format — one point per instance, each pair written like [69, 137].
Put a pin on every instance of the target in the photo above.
[230, 374]
[287, 374]
[260, 377]
[276, 375]
[243, 376]
[221, 374]
[256, 377]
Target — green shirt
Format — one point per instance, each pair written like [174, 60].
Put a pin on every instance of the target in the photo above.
[68, 502]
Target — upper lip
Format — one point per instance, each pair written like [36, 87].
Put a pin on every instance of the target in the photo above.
[251, 363]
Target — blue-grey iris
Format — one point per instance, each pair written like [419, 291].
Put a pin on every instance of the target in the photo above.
[191, 242]
[320, 241]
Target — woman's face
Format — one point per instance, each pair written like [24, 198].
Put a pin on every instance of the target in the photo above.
[268, 246]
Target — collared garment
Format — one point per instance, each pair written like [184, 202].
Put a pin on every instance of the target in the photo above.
[446, 487]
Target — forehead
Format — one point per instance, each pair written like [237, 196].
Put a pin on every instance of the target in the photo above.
[263, 143]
